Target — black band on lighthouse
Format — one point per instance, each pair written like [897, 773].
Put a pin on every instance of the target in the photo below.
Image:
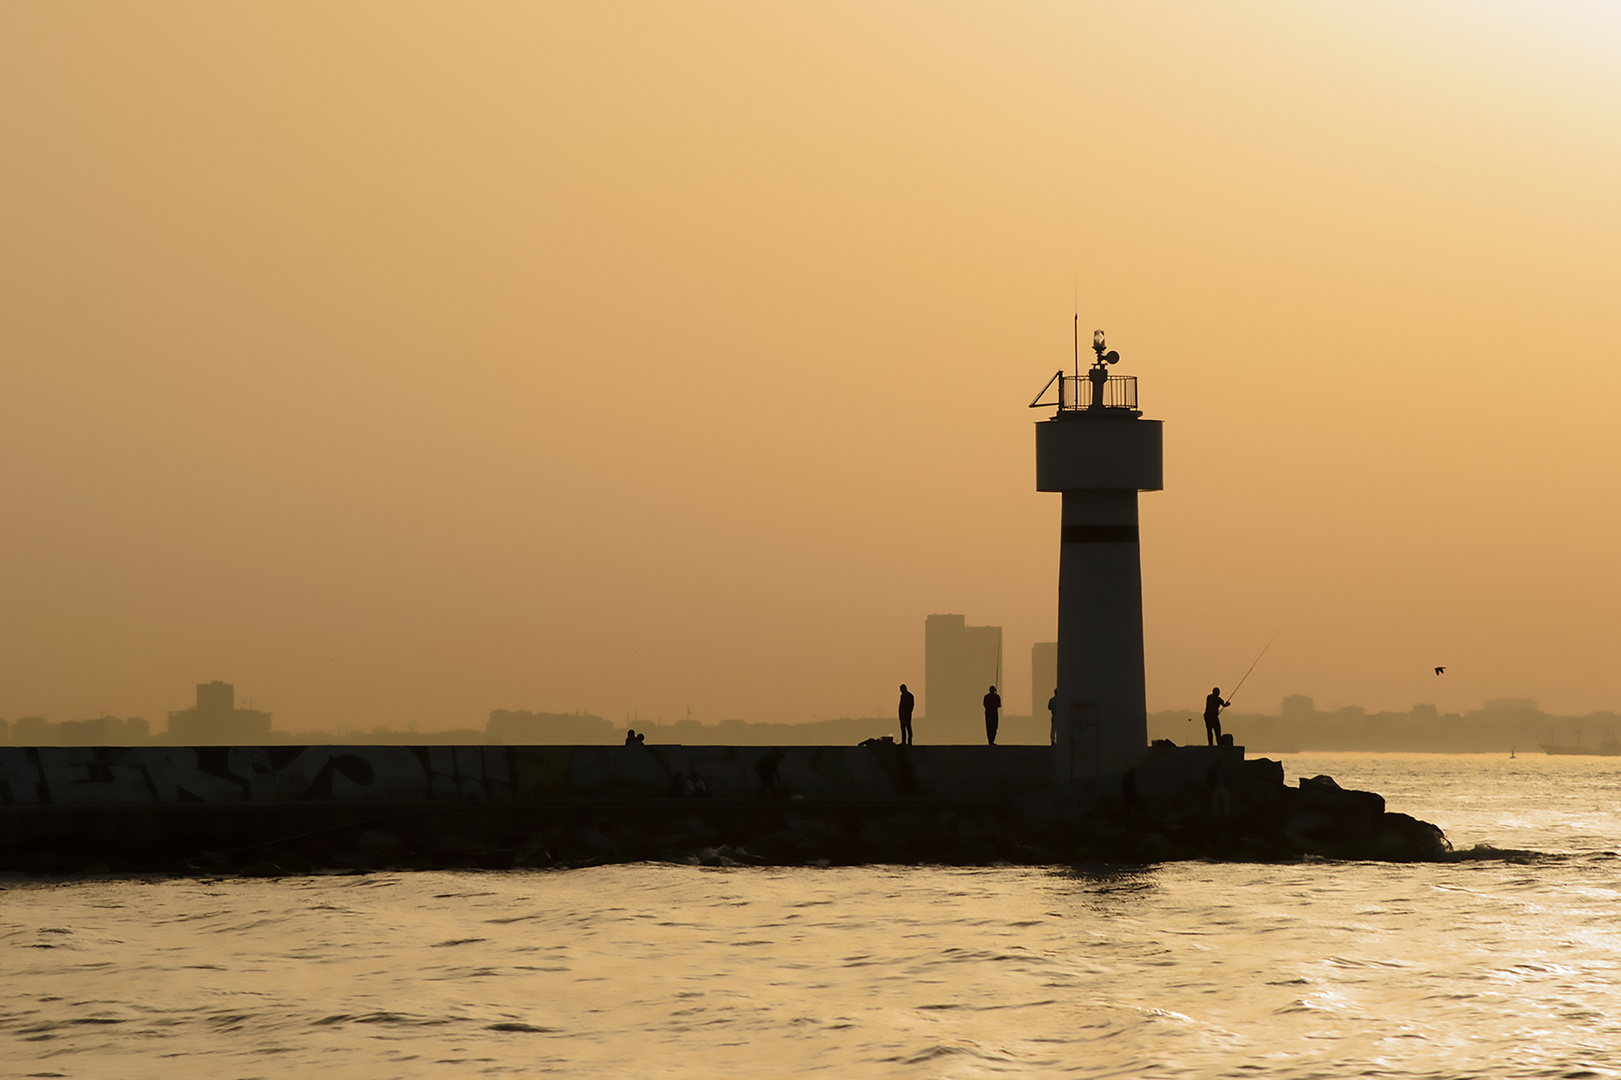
[1099, 534]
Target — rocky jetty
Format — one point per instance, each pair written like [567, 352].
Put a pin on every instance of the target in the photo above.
[1181, 803]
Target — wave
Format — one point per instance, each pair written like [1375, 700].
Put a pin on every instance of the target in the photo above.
[1488, 853]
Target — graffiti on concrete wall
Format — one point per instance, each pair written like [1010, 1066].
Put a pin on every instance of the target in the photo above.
[83, 775]
[219, 774]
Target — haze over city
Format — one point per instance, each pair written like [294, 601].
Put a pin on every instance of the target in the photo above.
[397, 363]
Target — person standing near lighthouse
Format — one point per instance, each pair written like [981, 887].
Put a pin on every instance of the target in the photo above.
[1213, 704]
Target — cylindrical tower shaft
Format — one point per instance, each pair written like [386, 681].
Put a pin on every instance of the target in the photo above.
[1102, 691]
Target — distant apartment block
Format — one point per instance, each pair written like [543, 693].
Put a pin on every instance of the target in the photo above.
[33, 731]
[104, 731]
[1043, 677]
[1298, 707]
[216, 721]
[522, 727]
[101, 731]
[959, 663]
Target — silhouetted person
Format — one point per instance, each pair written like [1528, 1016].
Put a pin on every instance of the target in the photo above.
[1212, 715]
[641, 738]
[766, 769]
[993, 714]
[907, 701]
[630, 737]
[1100, 378]
[1052, 707]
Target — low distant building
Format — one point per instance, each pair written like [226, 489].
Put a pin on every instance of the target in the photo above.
[522, 727]
[1298, 707]
[33, 731]
[216, 721]
[103, 731]
[100, 731]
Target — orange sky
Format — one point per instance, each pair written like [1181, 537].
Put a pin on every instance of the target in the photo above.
[404, 361]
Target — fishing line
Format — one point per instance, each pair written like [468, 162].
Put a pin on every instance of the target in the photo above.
[1234, 692]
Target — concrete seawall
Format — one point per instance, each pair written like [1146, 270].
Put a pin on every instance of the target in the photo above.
[162, 775]
[275, 809]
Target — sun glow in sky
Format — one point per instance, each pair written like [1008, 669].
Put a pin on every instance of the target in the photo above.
[398, 362]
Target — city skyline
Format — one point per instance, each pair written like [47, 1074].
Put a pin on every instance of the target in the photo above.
[245, 725]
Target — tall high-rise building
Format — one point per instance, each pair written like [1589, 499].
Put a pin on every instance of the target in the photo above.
[1043, 677]
[960, 662]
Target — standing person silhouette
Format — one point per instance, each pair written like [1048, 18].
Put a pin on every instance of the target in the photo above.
[993, 712]
[1100, 378]
[1212, 715]
[906, 715]
[1052, 707]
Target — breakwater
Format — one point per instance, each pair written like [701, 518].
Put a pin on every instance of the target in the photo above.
[290, 809]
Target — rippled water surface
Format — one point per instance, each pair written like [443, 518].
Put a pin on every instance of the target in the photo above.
[1495, 966]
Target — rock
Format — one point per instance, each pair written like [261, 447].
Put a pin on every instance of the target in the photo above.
[596, 844]
[699, 830]
[1156, 848]
[1261, 773]
[1351, 813]
[812, 833]
[261, 869]
[533, 853]
[1402, 838]
[385, 847]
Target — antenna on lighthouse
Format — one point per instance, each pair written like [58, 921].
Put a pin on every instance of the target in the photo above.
[1077, 288]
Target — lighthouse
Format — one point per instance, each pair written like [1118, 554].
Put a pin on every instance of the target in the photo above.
[1098, 452]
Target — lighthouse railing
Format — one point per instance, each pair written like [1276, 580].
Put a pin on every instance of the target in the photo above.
[1119, 392]
[1076, 393]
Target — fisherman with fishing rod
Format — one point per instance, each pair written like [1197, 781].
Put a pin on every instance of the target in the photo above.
[1214, 703]
[1212, 715]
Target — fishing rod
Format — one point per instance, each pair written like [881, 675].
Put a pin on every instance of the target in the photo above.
[1234, 691]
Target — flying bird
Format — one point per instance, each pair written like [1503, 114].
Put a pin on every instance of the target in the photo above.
[1440, 671]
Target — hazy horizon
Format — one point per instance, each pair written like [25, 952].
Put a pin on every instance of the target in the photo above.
[1320, 712]
[401, 362]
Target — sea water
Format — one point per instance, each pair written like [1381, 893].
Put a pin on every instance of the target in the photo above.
[1504, 963]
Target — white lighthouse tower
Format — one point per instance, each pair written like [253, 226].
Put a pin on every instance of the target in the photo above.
[1099, 452]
